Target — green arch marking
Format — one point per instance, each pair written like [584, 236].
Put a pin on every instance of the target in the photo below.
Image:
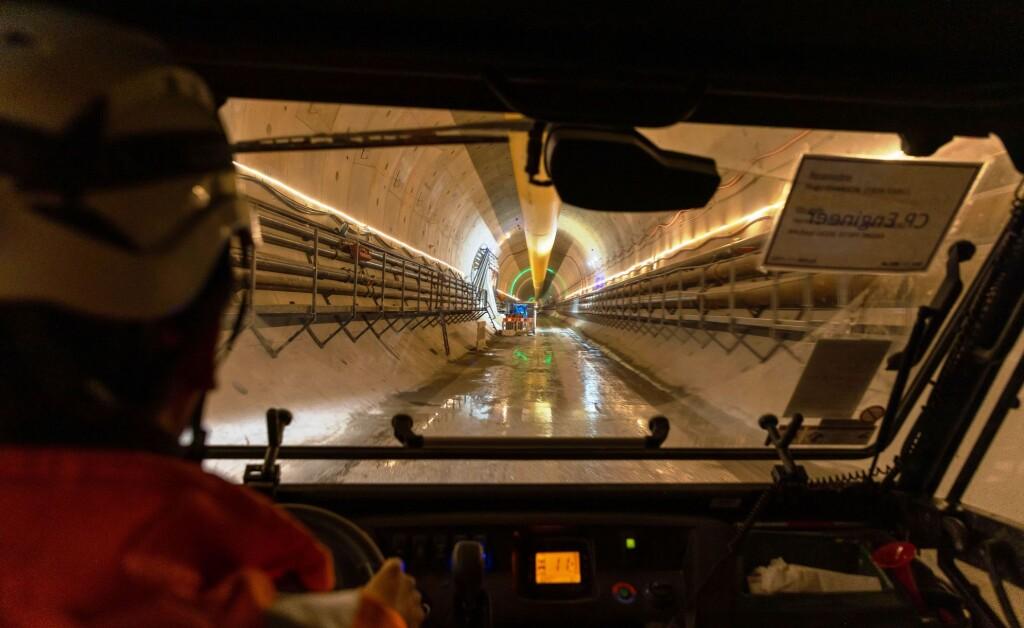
[560, 283]
[515, 280]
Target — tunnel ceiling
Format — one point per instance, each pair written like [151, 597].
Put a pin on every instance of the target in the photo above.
[429, 197]
[450, 200]
[494, 168]
[565, 267]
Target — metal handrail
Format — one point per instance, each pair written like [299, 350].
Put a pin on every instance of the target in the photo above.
[339, 246]
[730, 298]
[389, 290]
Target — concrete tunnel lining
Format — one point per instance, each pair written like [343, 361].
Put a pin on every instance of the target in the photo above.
[449, 201]
[440, 200]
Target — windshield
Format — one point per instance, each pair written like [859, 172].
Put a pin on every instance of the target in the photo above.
[450, 289]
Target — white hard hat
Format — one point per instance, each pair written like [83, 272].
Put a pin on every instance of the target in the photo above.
[117, 191]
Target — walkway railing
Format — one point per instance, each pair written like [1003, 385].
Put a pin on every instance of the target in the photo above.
[326, 279]
[485, 274]
[726, 300]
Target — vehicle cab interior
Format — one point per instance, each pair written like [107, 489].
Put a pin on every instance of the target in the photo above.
[702, 315]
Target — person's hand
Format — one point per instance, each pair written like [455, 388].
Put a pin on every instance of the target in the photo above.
[393, 587]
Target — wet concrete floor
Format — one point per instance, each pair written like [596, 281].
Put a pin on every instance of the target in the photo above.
[556, 383]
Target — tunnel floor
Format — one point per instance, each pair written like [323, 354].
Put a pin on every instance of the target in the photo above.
[556, 383]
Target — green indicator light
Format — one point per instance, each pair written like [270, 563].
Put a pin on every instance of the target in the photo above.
[630, 543]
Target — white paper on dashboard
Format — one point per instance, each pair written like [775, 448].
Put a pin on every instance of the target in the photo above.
[782, 577]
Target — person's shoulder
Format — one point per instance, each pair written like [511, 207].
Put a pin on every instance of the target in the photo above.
[64, 468]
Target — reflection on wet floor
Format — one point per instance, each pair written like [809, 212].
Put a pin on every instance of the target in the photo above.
[556, 383]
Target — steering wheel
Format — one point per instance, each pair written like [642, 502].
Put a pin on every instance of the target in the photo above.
[356, 556]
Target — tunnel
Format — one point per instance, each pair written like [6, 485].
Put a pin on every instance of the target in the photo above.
[415, 315]
[384, 274]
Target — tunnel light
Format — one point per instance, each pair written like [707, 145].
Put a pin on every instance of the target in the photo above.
[743, 222]
[544, 243]
[505, 294]
[895, 154]
[320, 205]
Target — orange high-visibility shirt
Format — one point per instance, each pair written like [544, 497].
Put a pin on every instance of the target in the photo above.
[117, 538]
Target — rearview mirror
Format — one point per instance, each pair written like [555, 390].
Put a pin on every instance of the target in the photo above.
[612, 170]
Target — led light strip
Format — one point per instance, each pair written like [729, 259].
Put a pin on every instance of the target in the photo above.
[895, 154]
[502, 292]
[745, 221]
[309, 200]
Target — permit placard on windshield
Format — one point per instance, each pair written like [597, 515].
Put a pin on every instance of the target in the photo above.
[867, 215]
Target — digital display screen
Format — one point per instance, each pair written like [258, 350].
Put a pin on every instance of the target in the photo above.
[558, 568]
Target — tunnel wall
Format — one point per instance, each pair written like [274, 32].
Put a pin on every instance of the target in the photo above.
[326, 389]
[755, 164]
[427, 196]
[430, 198]
[722, 375]
[714, 366]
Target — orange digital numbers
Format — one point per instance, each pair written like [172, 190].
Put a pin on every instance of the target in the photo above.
[558, 568]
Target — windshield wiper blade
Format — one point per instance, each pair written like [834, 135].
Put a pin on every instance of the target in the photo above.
[374, 452]
[499, 448]
[402, 425]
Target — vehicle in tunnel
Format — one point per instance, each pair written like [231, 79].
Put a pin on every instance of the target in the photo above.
[793, 403]
[520, 320]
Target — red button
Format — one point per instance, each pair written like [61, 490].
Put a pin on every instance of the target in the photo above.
[624, 592]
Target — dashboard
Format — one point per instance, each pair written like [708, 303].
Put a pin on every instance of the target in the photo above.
[613, 555]
[536, 571]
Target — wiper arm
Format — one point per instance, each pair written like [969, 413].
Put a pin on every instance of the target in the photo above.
[402, 424]
[929, 320]
[417, 447]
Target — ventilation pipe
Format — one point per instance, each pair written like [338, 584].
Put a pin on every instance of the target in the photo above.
[540, 206]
